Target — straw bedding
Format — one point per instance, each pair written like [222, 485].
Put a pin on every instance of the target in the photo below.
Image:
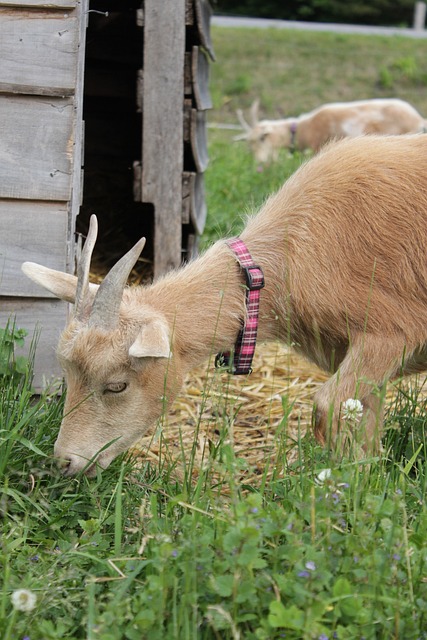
[248, 411]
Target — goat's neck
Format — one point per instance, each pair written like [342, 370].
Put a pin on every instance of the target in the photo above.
[204, 303]
[304, 132]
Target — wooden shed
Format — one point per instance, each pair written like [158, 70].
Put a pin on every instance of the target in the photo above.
[102, 110]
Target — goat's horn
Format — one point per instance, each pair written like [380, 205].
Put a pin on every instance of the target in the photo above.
[83, 268]
[243, 136]
[106, 306]
[254, 112]
[242, 120]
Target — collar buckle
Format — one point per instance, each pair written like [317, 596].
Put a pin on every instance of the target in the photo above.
[254, 277]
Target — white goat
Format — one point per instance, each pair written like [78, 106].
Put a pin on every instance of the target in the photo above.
[343, 249]
[330, 121]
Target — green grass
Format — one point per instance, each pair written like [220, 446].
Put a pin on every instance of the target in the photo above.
[137, 554]
[291, 72]
[236, 187]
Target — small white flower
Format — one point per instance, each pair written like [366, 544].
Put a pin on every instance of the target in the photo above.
[352, 409]
[323, 475]
[23, 600]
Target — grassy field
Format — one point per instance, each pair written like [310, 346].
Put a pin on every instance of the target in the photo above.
[295, 71]
[290, 73]
[317, 549]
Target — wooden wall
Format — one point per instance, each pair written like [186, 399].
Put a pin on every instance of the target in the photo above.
[118, 88]
[41, 80]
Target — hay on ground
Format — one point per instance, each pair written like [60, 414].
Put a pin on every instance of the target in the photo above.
[248, 411]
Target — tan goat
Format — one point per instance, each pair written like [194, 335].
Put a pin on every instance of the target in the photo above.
[343, 249]
[389, 116]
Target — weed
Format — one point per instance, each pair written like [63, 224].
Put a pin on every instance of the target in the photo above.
[385, 79]
[403, 72]
[12, 365]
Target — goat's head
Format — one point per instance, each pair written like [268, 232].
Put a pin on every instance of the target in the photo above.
[116, 362]
[265, 137]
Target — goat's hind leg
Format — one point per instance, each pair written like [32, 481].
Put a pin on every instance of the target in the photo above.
[370, 361]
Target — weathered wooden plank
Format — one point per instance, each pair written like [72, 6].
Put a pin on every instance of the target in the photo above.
[187, 119]
[139, 89]
[194, 127]
[188, 179]
[162, 138]
[30, 90]
[199, 142]
[188, 84]
[192, 247]
[194, 207]
[37, 138]
[200, 79]
[195, 134]
[35, 231]
[189, 12]
[40, 4]
[38, 52]
[45, 317]
[203, 19]
[78, 132]
[137, 181]
[198, 208]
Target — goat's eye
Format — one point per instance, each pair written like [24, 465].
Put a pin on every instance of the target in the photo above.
[115, 387]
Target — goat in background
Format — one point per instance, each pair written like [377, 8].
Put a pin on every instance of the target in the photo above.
[385, 116]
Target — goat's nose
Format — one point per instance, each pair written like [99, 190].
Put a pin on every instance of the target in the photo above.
[63, 464]
[71, 464]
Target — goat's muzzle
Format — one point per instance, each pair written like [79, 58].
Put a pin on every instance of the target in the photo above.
[72, 464]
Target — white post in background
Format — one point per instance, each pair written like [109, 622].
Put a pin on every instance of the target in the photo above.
[419, 16]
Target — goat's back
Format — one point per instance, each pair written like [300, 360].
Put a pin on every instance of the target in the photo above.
[386, 116]
[349, 231]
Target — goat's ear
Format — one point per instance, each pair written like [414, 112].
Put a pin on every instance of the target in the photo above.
[153, 340]
[62, 285]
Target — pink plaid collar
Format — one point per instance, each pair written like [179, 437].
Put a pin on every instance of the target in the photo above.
[244, 348]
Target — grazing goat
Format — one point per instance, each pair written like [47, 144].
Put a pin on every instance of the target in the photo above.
[330, 121]
[343, 249]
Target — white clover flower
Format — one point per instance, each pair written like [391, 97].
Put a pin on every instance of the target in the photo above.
[352, 410]
[23, 600]
[322, 476]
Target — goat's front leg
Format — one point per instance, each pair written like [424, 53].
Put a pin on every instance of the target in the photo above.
[370, 361]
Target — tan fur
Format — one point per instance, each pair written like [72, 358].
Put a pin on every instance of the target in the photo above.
[343, 249]
[389, 116]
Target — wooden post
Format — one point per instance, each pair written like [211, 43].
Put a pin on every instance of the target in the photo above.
[419, 16]
[162, 126]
